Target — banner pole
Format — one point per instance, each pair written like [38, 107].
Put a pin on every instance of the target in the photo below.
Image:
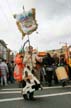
[30, 51]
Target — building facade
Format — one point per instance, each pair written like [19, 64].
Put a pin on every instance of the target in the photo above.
[3, 49]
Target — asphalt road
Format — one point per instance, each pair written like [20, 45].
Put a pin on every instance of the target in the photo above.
[49, 97]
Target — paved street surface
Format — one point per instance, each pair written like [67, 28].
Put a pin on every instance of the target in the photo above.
[49, 97]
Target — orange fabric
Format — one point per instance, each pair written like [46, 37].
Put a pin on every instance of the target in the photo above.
[18, 77]
[18, 68]
[18, 72]
[18, 59]
[41, 54]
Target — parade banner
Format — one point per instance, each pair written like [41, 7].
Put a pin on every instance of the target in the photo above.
[26, 22]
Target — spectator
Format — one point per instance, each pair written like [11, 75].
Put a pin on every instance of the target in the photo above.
[4, 71]
[11, 70]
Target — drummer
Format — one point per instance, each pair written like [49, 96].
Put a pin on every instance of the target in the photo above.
[49, 61]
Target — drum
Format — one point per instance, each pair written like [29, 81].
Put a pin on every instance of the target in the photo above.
[61, 73]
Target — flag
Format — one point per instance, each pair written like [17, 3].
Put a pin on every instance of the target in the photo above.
[26, 22]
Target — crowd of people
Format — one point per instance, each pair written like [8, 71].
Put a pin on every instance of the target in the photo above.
[42, 67]
[6, 72]
[49, 66]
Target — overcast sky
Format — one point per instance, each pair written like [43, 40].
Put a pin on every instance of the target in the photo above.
[53, 18]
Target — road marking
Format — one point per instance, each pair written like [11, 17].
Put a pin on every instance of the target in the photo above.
[10, 92]
[37, 96]
[11, 99]
[10, 89]
[18, 90]
[53, 87]
[56, 94]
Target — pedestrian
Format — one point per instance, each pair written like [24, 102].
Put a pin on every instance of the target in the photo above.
[4, 72]
[11, 70]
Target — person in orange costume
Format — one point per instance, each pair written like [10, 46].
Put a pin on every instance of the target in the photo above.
[19, 67]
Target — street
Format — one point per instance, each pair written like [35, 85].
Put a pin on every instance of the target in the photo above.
[55, 96]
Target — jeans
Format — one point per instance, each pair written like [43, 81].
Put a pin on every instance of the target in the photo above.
[3, 78]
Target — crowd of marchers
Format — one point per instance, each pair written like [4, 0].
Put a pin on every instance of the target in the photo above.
[44, 68]
[48, 68]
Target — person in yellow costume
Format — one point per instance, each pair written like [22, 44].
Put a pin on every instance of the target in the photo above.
[68, 60]
[69, 65]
